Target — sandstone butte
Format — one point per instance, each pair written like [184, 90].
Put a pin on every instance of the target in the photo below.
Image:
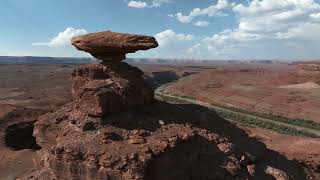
[112, 46]
[115, 130]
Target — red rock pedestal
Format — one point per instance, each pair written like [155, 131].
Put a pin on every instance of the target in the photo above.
[99, 90]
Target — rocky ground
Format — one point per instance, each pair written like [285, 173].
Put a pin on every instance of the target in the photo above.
[280, 89]
[163, 141]
[151, 137]
[17, 145]
[35, 86]
[304, 150]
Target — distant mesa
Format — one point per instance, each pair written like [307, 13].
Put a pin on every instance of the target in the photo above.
[111, 46]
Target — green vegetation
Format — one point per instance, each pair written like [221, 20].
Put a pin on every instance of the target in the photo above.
[293, 121]
[185, 96]
[298, 122]
[253, 119]
[255, 122]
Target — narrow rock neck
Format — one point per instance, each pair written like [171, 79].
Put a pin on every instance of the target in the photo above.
[108, 58]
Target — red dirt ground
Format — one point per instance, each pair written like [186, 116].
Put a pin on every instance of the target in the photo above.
[5, 109]
[258, 89]
[278, 89]
[304, 150]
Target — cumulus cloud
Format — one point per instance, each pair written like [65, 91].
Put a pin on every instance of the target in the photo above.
[158, 3]
[144, 4]
[273, 15]
[137, 4]
[266, 25]
[63, 38]
[213, 10]
[171, 45]
[183, 18]
[315, 16]
[169, 37]
[217, 9]
[201, 23]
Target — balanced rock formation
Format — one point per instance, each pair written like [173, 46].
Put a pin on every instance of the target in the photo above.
[111, 46]
[113, 129]
[113, 85]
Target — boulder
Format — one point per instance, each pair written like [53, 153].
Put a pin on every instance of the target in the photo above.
[278, 174]
[111, 46]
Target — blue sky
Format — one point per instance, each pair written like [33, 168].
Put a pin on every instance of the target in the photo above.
[190, 29]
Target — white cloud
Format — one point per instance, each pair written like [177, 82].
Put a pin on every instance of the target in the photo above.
[137, 4]
[63, 38]
[274, 15]
[217, 9]
[171, 45]
[201, 23]
[267, 28]
[315, 16]
[168, 37]
[213, 10]
[158, 3]
[143, 4]
[183, 19]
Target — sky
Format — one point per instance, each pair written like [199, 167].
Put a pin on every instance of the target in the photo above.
[185, 29]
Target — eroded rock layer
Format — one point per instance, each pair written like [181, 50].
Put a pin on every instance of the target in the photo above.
[132, 145]
[160, 141]
[101, 89]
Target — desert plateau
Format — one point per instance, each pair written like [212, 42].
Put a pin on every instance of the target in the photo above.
[21, 108]
[160, 90]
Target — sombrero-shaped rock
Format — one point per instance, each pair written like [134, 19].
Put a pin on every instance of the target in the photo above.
[112, 46]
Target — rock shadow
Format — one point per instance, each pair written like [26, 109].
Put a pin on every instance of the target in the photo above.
[16, 129]
[151, 118]
[160, 78]
[195, 159]
[20, 136]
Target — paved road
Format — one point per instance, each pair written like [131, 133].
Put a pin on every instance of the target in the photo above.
[159, 94]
